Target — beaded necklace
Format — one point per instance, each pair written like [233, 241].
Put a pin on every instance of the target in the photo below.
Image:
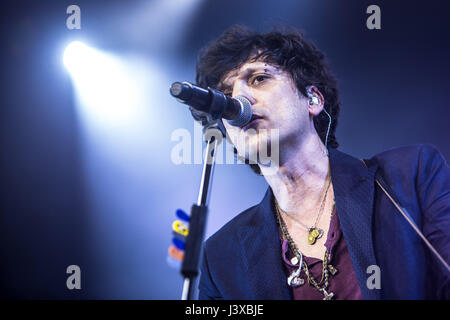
[294, 279]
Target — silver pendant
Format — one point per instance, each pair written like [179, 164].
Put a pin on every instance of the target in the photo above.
[320, 233]
[332, 270]
[327, 295]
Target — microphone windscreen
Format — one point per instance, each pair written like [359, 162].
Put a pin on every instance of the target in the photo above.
[246, 112]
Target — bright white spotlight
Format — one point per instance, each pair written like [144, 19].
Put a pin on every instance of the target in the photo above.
[105, 88]
[74, 55]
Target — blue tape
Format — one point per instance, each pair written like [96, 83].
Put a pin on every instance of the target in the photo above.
[182, 215]
[178, 243]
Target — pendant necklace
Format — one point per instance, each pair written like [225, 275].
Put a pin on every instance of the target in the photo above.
[314, 233]
[294, 279]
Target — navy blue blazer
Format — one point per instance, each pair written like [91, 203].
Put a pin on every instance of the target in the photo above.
[243, 259]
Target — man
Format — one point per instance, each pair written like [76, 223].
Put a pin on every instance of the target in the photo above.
[325, 228]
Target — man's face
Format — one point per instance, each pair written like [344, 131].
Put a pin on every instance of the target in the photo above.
[276, 103]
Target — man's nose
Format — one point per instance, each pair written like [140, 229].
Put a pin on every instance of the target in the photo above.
[242, 89]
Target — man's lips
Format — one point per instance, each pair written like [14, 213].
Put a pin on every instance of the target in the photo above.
[253, 122]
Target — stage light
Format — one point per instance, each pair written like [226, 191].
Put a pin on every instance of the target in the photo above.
[125, 119]
[74, 55]
[104, 86]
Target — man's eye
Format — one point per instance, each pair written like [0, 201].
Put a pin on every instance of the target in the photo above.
[258, 79]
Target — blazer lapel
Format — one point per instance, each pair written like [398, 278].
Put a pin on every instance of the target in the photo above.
[353, 186]
[262, 252]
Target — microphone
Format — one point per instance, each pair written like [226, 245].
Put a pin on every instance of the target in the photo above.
[237, 111]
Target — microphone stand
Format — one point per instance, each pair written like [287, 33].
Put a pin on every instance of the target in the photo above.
[197, 222]
[210, 115]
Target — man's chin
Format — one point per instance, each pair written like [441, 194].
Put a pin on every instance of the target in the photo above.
[270, 164]
[250, 156]
[259, 152]
[257, 147]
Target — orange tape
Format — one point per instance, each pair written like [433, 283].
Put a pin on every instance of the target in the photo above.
[176, 253]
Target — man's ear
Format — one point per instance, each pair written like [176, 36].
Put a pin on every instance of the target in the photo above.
[315, 99]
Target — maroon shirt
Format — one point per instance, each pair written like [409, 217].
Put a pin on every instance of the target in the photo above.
[343, 284]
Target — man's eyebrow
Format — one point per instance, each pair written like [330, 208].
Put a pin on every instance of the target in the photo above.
[249, 71]
[252, 70]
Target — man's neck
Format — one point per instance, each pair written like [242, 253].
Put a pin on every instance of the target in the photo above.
[303, 172]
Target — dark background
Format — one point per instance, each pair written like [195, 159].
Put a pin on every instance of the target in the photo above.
[394, 91]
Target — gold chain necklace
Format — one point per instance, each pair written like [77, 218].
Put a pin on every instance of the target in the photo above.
[294, 279]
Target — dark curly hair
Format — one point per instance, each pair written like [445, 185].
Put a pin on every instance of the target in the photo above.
[284, 48]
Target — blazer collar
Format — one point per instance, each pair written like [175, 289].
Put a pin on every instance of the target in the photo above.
[262, 251]
[353, 186]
